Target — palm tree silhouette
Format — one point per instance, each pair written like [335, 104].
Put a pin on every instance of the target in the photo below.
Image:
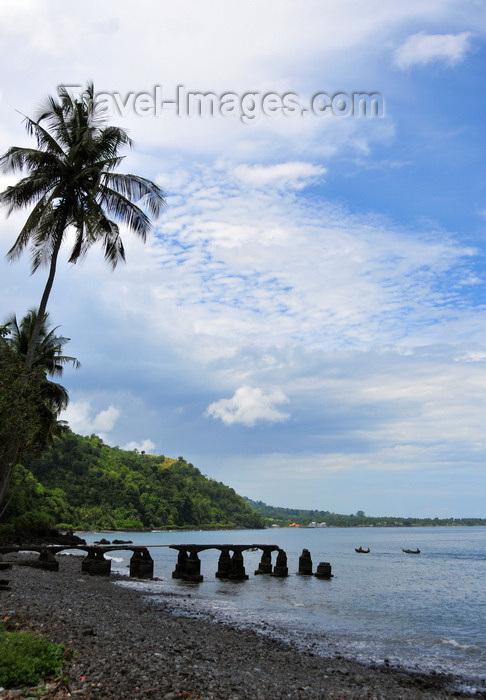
[71, 184]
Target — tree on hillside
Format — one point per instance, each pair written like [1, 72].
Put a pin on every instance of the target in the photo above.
[70, 184]
[30, 403]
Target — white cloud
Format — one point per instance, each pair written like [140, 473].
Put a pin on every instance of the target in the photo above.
[424, 48]
[105, 420]
[265, 266]
[250, 405]
[146, 446]
[82, 419]
[293, 175]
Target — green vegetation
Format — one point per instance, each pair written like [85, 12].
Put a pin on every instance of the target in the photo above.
[284, 517]
[30, 403]
[20, 412]
[26, 659]
[82, 483]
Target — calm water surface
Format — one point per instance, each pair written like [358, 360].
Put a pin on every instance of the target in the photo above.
[426, 611]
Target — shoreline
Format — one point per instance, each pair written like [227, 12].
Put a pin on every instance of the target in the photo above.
[126, 647]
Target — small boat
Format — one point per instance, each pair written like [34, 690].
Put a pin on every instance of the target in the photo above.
[411, 551]
[360, 550]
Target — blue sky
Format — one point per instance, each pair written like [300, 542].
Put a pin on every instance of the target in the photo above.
[307, 322]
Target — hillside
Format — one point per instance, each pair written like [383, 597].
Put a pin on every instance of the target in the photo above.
[83, 483]
[284, 517]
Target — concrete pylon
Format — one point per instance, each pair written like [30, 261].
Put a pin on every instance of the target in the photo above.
[305, 563]
[281, 568]
[265, 565]
[141, 564]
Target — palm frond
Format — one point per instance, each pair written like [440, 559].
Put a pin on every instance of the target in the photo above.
[139, 189]
[17, 159]
[36, 222]
[46, 237]
[98, 227]
[26, 192]
[113, 246]
[45, 141]
[111, 139]
[56, 397]
[125, 211]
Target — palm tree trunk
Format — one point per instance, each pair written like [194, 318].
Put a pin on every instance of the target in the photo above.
[34, 338]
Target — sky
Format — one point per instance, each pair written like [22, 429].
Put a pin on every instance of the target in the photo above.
[307, 321]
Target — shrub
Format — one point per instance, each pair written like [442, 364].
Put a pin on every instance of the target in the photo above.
[33, 524]
[25, 659]
[128, 524]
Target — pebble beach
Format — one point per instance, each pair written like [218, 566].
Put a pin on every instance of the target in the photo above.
[123, 645]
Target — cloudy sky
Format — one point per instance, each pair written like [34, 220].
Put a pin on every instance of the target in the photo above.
[307, 322]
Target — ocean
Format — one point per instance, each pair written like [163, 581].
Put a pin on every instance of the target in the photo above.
[425, 612]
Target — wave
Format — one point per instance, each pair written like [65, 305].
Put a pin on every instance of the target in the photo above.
[472, 648]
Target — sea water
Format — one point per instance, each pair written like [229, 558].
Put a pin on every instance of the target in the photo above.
[425, 612]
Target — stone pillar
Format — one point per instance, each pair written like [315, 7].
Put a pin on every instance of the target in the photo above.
[87, 561]
[237, 572]
[193, 567]
[180, 569]
[305, 563]
[224, 564]
[281, 568]
[141, 564]
[46, 561]
[324, 570]
[265, 565]
[95, 563]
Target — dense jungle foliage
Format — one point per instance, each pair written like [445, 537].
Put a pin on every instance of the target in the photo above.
[284, 517]
[82, 483]
[21, 412]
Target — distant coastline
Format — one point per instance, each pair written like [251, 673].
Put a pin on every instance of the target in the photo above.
[282, 527]
[295, 517]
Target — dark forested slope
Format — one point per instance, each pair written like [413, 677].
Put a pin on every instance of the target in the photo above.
[87, 484]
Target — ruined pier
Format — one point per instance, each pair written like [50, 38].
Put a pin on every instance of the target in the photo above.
[230, 566]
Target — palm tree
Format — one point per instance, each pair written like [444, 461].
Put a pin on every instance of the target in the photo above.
[71, 184]
[30, 403]
[48, 356]
[49, 360]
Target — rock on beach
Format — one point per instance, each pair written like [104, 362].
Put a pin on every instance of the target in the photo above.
[125, 647]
